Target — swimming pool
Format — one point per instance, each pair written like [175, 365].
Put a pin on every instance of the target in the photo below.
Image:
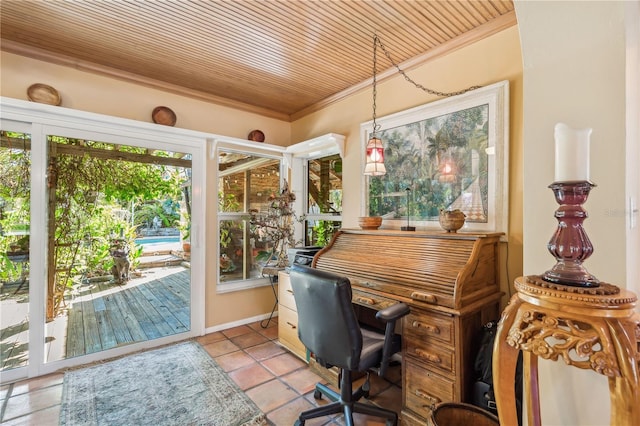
[158, 240]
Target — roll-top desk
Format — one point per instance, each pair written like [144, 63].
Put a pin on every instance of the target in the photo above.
[450, 281]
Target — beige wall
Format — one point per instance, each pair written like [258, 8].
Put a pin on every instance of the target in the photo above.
[574, 57]
[494, 59]
[104, 95]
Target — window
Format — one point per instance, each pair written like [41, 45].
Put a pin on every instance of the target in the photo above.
[324, 199]
[316, 173]
[246, 182]
[250, 176]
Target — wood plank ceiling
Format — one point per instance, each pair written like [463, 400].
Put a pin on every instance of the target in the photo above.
[278, 58]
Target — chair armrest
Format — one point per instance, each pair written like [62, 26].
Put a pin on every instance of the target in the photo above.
[393, 312]
[389, 316]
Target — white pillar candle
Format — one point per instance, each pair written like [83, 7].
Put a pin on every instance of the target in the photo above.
[572, 153]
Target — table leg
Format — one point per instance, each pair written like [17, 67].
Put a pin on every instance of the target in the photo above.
[273, 279]
[625, 388]
[531, 387]
[505, 359]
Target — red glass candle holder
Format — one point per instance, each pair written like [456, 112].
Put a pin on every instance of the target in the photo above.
[570, 244]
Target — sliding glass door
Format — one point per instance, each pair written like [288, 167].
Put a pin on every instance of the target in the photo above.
[99, 235]
[15, 218]
[117, 271]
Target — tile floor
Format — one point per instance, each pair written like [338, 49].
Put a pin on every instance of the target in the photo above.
[278, 382]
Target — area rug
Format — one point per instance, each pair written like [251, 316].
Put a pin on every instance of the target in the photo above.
[175, 385]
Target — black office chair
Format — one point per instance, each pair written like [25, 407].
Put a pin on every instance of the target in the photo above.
[329, 328]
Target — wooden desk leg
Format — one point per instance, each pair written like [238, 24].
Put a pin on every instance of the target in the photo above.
[531, 391]
[505, 359]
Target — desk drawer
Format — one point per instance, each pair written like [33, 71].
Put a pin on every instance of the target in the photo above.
[370, 300]
[288, 332]
[424, 389]
[431, 354]
[285, 293]
[422, 325]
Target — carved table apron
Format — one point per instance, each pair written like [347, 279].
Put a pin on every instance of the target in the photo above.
[593, 329]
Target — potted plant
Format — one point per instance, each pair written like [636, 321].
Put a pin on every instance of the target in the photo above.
[185, 231]
[277, 226]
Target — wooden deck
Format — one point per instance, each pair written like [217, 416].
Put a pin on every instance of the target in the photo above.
[104, 315]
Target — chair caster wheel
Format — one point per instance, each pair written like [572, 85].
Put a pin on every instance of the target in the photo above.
[317, 394]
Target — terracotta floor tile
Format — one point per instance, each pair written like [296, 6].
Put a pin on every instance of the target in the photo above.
[270, 333]
[220, 348]
[283, 364]
[234, 360]
[236, 331]
[250, 376]
[247, 340]
[265, 351]
[302, 381]
[271, 395]
[289, 413]
[210, 338]
[322, 401]
[394, 374]
[257, 326]
[377, 383]
[390, 399]
[31, 402]
[47, 417]
[364, 420]
[359, 419]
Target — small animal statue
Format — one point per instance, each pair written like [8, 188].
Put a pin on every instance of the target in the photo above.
[120, 254]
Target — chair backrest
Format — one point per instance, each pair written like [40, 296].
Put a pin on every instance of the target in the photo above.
[327, 323]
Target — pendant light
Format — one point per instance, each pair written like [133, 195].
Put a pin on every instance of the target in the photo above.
[374, 165]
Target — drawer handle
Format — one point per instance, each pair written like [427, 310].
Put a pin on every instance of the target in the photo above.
[424, 297]
[292, 325]
[428, 356]
[365, 300]
[432, 400]
[430, 328]
[290, 291]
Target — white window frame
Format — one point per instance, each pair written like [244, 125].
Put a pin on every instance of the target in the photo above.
[299, 156]
[294, 164]
[258, 150]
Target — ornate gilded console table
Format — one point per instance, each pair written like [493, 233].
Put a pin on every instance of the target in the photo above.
[589, 328]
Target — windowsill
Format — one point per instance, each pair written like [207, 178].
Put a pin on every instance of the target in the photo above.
[232, 286]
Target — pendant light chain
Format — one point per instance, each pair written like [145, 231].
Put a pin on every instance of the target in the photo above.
[376, 127]
[377, 41]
